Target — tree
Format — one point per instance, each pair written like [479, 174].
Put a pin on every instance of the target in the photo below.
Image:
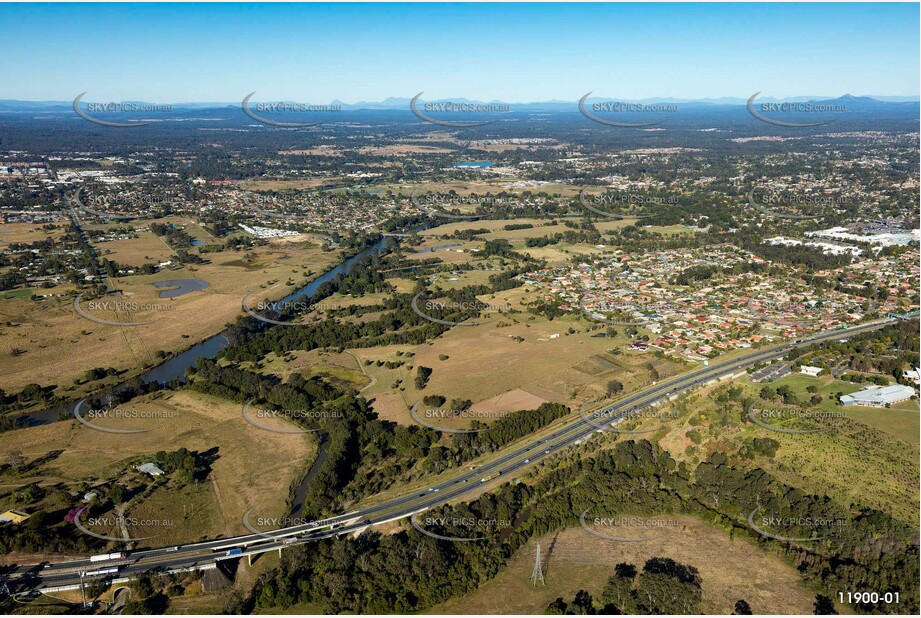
[95, 587]
[742, 608]
[557, 607]
[582, 604]
[614, 387]
[617, 591]
[422, 376]
[667, 587]
[823, 606]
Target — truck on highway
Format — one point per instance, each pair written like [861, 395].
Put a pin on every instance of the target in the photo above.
[236, 551]
[108, 571]
[118, 555]
[490, 477]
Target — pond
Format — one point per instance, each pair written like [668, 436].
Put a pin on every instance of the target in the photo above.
[183, 286]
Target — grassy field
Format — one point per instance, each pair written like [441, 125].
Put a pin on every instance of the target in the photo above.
[31, 232]
[869, 457]
[730, 569]
[254, 467]
[282, 185]
[26, 293]
[526, 352]
[55, 345]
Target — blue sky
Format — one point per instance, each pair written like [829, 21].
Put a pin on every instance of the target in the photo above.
[510, 52]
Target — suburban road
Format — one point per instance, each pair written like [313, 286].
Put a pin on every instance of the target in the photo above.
[530, 452]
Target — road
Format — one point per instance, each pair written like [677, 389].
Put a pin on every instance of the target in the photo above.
[526, 455]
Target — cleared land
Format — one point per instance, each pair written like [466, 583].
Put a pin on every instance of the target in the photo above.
[254, 467]
[31, 232]
[49, 343]
[730, 569]
[865, 456]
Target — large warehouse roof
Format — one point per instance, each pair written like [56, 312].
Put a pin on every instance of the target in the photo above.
[878, 395]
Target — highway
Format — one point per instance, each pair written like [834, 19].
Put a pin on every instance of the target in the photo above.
[525, 455]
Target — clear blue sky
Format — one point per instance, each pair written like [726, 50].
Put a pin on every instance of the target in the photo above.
[510, 52]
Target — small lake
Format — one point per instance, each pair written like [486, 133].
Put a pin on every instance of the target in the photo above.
[183, 286]
[197, 243]
[475, 164]
[175, 367]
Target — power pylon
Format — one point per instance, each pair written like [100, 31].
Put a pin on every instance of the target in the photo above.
[538, 574]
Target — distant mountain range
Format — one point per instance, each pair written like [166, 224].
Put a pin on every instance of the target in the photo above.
[853, 103]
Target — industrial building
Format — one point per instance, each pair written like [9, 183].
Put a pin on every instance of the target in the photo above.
[878, 396]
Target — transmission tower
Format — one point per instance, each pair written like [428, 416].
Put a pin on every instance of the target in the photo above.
[538, 574]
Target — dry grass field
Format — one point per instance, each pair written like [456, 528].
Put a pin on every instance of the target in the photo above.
[730, 569]
[869, 457]
[283, 185]
[55, 343]
[31, 232]
[254, 467]
[488, 359]
[403, 149]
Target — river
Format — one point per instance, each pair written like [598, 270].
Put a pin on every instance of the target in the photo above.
[175, 367]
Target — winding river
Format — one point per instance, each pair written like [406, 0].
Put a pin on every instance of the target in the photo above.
[175, 367]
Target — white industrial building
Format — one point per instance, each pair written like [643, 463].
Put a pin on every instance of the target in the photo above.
[878, 396]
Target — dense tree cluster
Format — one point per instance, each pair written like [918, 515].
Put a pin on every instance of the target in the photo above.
[869, 550]
[663, 587]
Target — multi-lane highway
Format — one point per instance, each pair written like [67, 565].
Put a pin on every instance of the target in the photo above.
[501, 468]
